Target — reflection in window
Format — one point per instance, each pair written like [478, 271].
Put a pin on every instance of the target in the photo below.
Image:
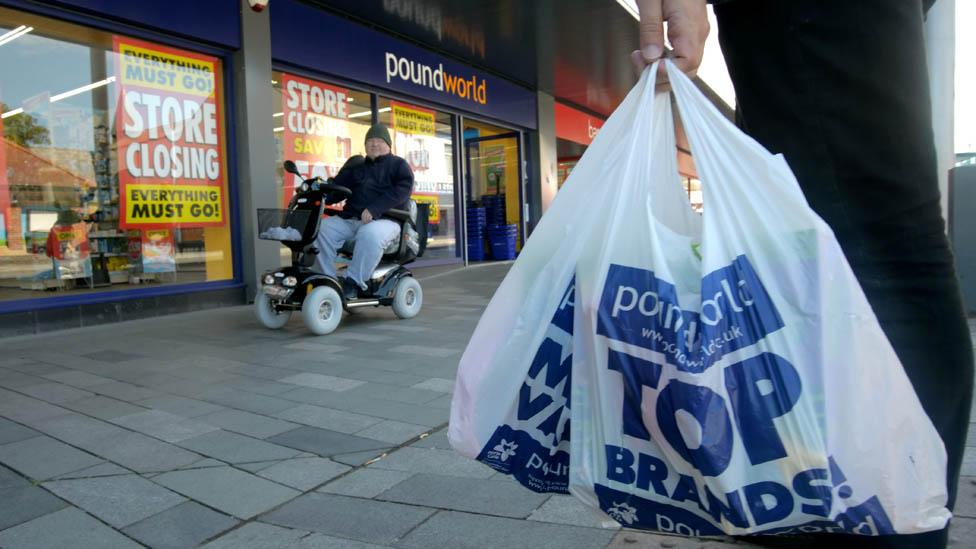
[66, 99]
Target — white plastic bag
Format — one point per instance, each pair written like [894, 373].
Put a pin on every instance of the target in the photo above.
[728, 374]
[734, 379]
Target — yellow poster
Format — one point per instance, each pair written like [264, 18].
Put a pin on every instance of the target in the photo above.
[413, 120]
[434, 201]
[189, 205]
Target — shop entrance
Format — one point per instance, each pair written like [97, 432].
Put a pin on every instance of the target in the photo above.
[493, 188]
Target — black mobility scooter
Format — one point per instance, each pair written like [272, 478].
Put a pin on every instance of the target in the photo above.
[318, 296]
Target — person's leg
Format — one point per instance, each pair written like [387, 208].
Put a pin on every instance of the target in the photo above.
[371, 240]
[841, 89]
[333, 233]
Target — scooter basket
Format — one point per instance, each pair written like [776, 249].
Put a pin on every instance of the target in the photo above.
[282, 225]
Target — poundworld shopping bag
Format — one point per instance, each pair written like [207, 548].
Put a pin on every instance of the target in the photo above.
[511, 401]
[729, 376]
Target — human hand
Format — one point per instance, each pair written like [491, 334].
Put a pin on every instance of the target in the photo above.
[687, 29]
[366, 217]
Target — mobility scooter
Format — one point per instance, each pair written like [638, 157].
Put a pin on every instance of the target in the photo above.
[318, 296]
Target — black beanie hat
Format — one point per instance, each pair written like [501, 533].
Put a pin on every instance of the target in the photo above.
[380, 131]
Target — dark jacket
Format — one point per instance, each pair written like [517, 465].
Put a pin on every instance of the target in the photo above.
[377, 185]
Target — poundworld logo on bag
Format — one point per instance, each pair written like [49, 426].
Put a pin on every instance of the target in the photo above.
[408, 70]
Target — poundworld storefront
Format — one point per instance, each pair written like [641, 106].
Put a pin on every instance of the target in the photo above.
[140, 137]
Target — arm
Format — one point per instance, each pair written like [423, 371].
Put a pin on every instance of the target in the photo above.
[401, 185]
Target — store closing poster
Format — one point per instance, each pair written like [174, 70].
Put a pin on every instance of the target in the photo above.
[168, 126]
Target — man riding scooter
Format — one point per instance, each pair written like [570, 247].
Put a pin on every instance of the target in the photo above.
[382, 182]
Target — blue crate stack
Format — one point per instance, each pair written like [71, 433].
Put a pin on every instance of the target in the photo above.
[476, 233]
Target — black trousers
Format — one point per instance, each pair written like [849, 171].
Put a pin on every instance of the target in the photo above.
[840, 87]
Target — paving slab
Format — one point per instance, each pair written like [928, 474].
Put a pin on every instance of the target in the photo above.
[186, 407]
[12, 479]
[322, 541]
[42, 458]
[258, 535]
[247, 423]
[438, 384]
[186, 525]
[393, 432]
[356, 459]
[303, 473]
[243, 400]
[488, 497]
[324, 442]
[323, 382]
[66, 528]
[119, 501]
[112, 355]
[633, 538]
[78, 429]
[163, 425]
[559, 509]
[55, 393]
[328, 418]
[77, 378]
[464, 530]
[384, 391]
[123, 391]
[366, 482]
[25, 502]
[437, 462]
[102, 470]
[350, 518]
[13, 432]
[234, 492]
[142, 454]
[103, 407]
[235, 448]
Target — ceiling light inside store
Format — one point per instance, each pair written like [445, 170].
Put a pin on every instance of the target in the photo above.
[367, 113]
[82, 89]
[277, 114]
[15, 34]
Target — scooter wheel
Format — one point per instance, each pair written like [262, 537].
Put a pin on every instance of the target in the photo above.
[269, 318]
[322, 310]
[408, 297]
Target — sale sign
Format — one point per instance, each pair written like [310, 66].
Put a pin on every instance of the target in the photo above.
[317, 133]
[168, 125]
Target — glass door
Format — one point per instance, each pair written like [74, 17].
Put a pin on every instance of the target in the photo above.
[493, 187]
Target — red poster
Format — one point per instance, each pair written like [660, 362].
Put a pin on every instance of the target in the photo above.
[168, 126]
[314, 129]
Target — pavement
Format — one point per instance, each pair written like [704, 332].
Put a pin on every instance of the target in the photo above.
[207, 429]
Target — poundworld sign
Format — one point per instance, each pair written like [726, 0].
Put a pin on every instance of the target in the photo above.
[436, 79]
[356, 53]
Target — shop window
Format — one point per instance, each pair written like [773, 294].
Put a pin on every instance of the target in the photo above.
[113, 165]
[424, 137]
[318, 126]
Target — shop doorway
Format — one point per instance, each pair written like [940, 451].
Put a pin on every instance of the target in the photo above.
[493, 191]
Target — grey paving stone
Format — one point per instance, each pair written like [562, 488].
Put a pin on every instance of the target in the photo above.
[123, 391]
[317, 347]
[15, 380]
[443, 403]
[11, 479]
[437, 440]
[163, 425]
[383, 391]
[119, 501]
[632, 538]
[969, 462]
[356, 459]
[352, 518]
[12, 432]
[246, 423]
[27, 410]
[43, 458]
[102, 470]
[257, 535]
[322, 541]
[256, 466]
[421, 414]
[400, 327]
[186, 525]
[355, 336]
[186, 407]
[366, 483]
[112, 355]
[270, 373]
[437, 462]
[25, 502]
[324, 382]
[328, 418]
[78, 429]
[240, 494]
[303, 473]
[242, 400]
[357, 371]
[259, 386]
[235, 448]
[103, 407]
[464, 530]
[141, 453]
[394, 432]
[438, 384]
[77, 378]
[324, 442]
[204, 463]
[55, 393]
[559, 509]
[466, 494]
[66, 528]
[962, 532]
